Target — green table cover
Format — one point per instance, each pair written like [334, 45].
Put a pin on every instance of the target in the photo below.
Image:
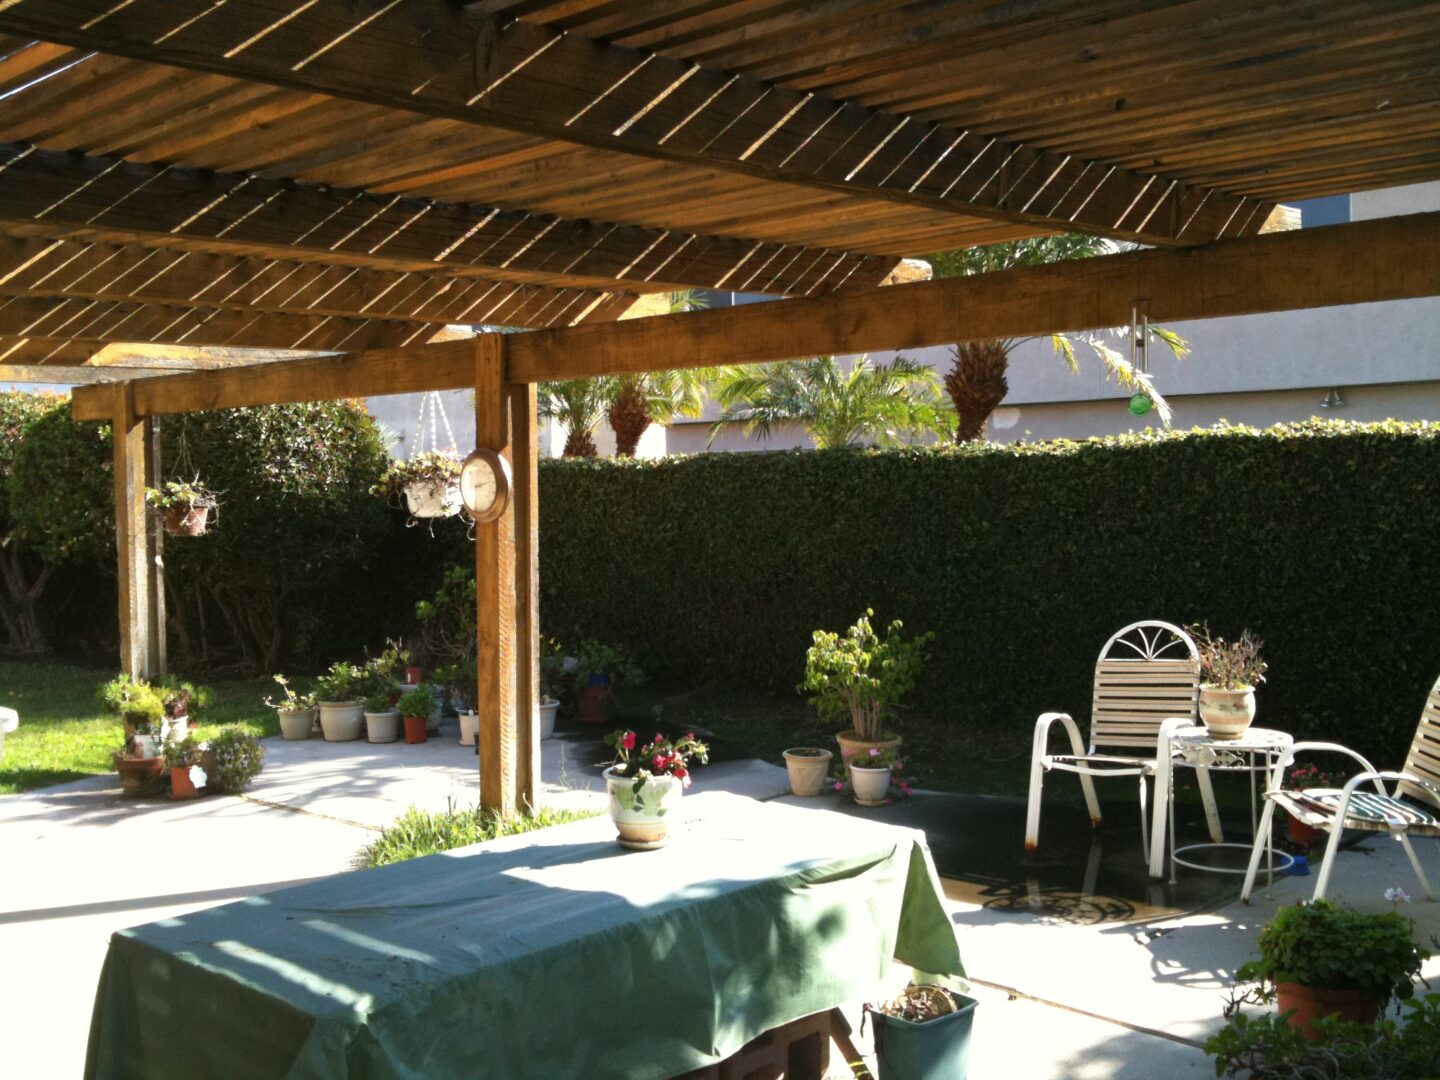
[552, 955]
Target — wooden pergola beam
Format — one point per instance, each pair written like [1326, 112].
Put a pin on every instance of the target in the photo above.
[440, 59]
[240, 214]
[1361, 262]
[73, 375]
[105, 321]
[38, 266]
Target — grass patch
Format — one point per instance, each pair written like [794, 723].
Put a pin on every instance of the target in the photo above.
[420, 832]
[64, 733]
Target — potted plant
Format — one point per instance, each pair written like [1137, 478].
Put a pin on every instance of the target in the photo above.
[183, 758]
[342, 702]
[1319, 959]
[296, 711]
[429, 482]
[553, 679]
[141, 767]
[235, 758]
[645, 783]
[869, 773]
[382, 719]
[141, 710]
[601, 670]
[1299, 779]
[416, 706]
[461, 682]
[185, 505]
[923, 1034]
[859, 678]
[377, 687]
[808, 767]
[1229, 673]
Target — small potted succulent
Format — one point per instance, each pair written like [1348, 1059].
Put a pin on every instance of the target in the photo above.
[1303, 778]
[186, 506]
[429, 483]
[808, 766]
[645, 783]
[415, 707]
[1319, 959]
[601, 670]
[295, 710]
[923, 1033]
[341, 695]
[1229, 673]
[235, 758]
[859, 678]
[184, 757]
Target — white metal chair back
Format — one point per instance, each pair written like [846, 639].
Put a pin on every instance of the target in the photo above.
[1147, 673]
[1424, 757]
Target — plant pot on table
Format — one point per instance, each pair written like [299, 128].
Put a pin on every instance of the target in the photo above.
[342, 721]
[808, 768]
[1227, 713]
[642, 812]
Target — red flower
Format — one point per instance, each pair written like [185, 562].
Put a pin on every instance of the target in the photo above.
[660, 761]
[628, 741]
[681, 771]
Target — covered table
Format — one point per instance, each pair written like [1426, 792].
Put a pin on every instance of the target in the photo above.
[551, 955]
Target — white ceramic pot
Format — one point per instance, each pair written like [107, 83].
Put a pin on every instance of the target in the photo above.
[432, 498]
[547, 711]
[382, 727]
[870, 785]
[1227, 713]
[342, 721]
[469, 728]
[642, 817]
[174, 728]
[808, 767]
[296, 723]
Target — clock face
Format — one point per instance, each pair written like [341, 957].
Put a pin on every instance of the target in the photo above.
[485, 484]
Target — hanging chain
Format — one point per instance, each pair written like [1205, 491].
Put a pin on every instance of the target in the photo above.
[427, 424]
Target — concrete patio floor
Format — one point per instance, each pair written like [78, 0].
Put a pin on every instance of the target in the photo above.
[1121, 981]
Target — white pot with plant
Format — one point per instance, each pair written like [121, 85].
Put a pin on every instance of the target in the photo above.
[869, 771]
[429, 483]
[1229, 673]
[552, 686]
[342, 706]
[860, 678]
[376, 682]
[296, 711]
[382, 720]
[645, 784]
[184, 506]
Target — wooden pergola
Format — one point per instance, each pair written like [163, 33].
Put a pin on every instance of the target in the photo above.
[218, 203]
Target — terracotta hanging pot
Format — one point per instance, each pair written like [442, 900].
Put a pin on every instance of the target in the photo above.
[187, 520]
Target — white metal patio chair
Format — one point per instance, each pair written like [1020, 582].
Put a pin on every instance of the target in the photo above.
[1147, 673]
[1409, 810]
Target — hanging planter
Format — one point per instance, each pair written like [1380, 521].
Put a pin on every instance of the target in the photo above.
[185, 507]
[428, 483]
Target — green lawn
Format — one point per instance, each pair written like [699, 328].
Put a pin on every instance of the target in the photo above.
[64, 734]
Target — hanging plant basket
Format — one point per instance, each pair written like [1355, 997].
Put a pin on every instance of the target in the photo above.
[187, 520]
[432, 498]
[184, 507]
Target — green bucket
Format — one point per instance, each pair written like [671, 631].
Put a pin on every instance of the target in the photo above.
[938, 1049]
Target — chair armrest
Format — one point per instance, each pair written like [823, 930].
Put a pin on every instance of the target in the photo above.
[1041, 743]
[1287, 759]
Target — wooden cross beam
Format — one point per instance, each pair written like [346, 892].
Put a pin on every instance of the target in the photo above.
[103, 321]
[1356, 263]
[435, 58]
[250, 215]
[40, 266]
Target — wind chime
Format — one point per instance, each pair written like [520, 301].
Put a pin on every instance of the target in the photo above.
[1140, 402]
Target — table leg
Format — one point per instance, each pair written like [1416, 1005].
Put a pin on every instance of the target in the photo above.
[1164, 803]
[1212, 813]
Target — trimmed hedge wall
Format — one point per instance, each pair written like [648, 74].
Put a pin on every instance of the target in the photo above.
[1324, 537]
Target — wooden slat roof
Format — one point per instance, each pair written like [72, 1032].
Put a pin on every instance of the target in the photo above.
[770, 145]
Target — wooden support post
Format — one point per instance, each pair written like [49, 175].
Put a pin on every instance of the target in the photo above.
[524, 461]
[495, 594]
[140, 628]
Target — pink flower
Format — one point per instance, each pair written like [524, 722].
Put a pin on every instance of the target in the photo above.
[839, 786]
[874, 751]
[690, 737]
[628, 741]
[659, 761]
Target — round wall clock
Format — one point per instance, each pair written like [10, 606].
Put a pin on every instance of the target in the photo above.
[485, 484]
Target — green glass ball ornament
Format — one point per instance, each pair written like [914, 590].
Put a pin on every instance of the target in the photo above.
[1140, 404]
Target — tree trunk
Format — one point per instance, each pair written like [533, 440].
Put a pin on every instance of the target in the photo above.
[579, 443]
[20, 618]
[976, 384]
[629, 417]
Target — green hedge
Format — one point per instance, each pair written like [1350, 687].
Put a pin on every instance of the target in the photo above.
[1324, 537]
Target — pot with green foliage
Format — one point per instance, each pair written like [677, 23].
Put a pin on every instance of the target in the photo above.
[923, 1034]
[1319, 959]
[234, 759]
[382, 720]
[342, 702]
[1229, 673]
[429, 483]
[600, 671]
[141, 710]
[295, 710]
[645, 783]
[416, 707]
[860, 678]
[185, 505]
[184, 757]
[808, 767]
[377, 685]
[553, 679]
[869, 771]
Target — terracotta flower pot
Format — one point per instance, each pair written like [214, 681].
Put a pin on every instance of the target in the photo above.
[1301, 833]
[416, 729]
[594, 704]
[187, 521]
[139, 776]
[1310, 1003]
[180, 784]
[808, 767]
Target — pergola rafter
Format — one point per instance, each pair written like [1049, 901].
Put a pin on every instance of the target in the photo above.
[438, 59]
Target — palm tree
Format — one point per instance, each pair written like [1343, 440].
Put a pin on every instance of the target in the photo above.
[576, 405]
[634, 402]
[976, 380]
[883, 404]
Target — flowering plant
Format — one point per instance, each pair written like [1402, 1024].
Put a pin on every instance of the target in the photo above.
[658, 757]
[1308, 776]
[876, 757]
